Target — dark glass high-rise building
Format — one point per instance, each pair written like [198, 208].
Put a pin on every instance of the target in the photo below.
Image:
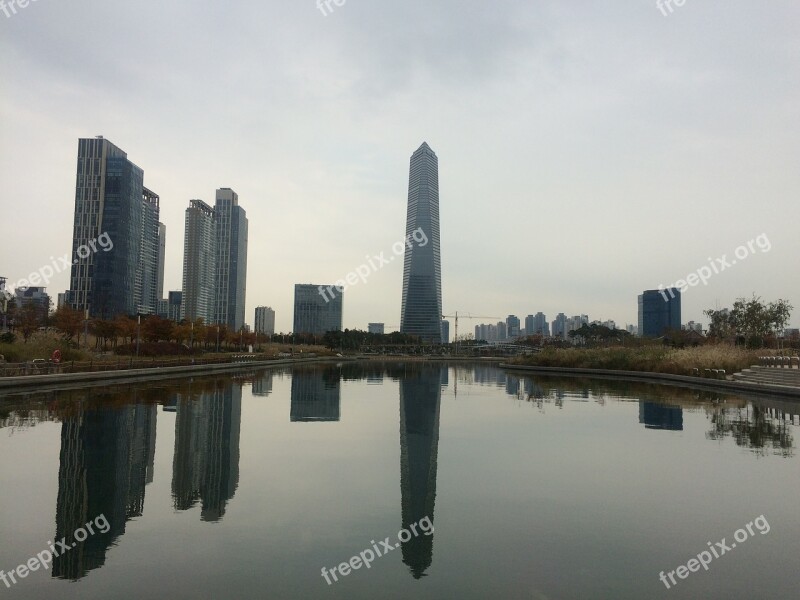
[422, 273]
[659, 311]
[114, 236]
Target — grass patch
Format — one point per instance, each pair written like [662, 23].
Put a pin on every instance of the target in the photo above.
[652, 359]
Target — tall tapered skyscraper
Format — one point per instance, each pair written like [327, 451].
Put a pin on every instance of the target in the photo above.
[422, 272]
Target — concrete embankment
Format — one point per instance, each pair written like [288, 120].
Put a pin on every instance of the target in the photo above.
[93, 378]
[681, 380]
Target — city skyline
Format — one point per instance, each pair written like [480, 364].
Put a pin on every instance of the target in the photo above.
[561, 148]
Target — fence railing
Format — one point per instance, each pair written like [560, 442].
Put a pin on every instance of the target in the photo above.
[121, 364]
[780, 361]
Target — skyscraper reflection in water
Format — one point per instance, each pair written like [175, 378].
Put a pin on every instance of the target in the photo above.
[316, 395]
[106, 460]
[206, 460]
[420, 401]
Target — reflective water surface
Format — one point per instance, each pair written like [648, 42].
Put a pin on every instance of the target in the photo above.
[536, 487]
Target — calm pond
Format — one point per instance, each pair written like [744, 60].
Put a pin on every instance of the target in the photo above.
[397, 480]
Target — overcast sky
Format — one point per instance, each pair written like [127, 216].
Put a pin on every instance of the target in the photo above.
[587, 150]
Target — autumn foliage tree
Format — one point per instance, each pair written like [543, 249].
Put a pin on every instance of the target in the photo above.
[68, 322]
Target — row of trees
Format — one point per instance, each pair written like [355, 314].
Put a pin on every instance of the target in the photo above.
[749, 321]
[355, 339]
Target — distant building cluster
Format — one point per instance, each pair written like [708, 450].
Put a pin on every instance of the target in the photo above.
[535, 325]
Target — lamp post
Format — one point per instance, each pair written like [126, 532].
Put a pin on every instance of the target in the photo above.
[138, 325]
[217, 339]
[191, 338]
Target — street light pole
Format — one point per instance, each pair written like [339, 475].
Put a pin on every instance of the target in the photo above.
[138, 324]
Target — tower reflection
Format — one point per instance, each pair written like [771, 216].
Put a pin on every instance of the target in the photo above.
[206, 460]
[420, 400]
[316, 395]
[106, 460]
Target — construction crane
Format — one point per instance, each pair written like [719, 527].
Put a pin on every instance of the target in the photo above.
[457, 316]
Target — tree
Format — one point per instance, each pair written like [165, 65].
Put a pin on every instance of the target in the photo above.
[720, 326]
[29, 319]
[68, 322]
[105, 331]
[751, 319]
[156, 329]
[127, 328]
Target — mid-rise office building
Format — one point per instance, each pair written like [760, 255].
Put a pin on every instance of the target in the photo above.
[540, 325]
[659, 311]
[445, 332]
[560, 326]
[231, 279]
[421, 313]
[377, 328]
[174, 305]
[265, 320]
[37, 296]
[314, 314]
[512, 327]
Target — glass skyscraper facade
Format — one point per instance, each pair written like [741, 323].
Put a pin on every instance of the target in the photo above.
[232, 228]
[659, 311]
[422, 272]
[149, 271]
[314, 314]
[199, 263]
[118, 273]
